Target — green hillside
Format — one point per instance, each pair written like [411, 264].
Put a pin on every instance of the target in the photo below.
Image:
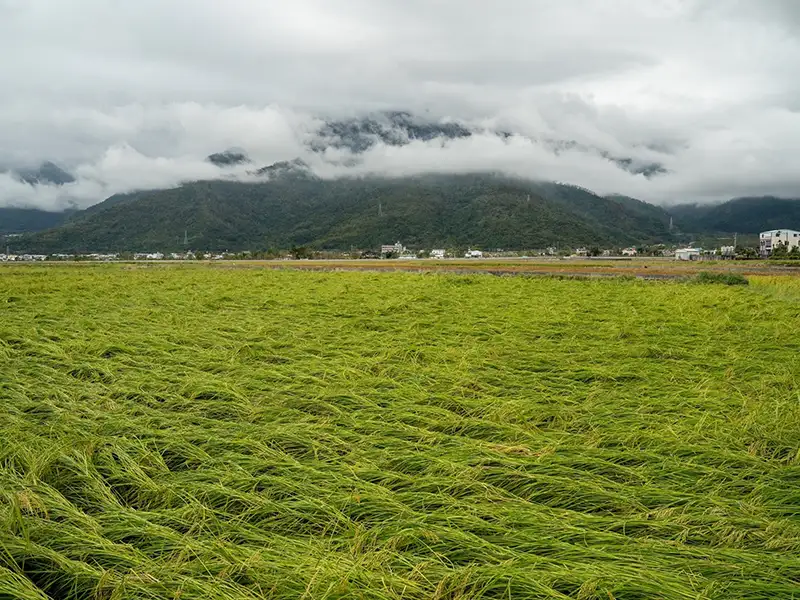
[16, 220]
[480, 210]
[743, 215]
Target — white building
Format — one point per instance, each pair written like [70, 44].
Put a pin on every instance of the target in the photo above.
[688, 253]
[629, 252]
[473, 254]
[769, 240]
[103, 257]
[438, 253]
[396, 249]
[148, 256]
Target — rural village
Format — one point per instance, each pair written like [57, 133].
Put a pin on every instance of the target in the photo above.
[778, 243]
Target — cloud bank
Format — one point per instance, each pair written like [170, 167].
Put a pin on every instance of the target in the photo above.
[136, 97]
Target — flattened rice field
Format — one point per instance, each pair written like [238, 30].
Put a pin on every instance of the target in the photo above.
[189, 432]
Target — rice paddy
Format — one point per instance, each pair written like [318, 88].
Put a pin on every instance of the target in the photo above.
[185, 432]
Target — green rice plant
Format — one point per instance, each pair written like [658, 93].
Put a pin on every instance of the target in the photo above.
[196, 431]
[722, 278]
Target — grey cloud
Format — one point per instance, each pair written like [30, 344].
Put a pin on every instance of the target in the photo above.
[132, 95]
[545, 68]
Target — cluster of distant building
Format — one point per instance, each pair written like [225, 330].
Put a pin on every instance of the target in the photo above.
[23, 257]
[769, 242]
[94, 256]
[398, 250]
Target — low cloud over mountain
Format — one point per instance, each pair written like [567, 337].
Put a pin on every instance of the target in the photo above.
[669, 101]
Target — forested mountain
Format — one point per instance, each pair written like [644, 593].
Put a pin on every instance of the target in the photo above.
[276, 207]
[487, 211]
[19, 220]
[291, 206]
[742, 215]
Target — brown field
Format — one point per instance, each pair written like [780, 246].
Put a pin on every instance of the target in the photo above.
[650, 268]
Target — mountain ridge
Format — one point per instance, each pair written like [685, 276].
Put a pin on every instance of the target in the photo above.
[487, 210]
[281, 194]
[751, 214]
[15, 220]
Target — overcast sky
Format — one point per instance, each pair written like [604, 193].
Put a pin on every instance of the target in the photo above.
[135, 94]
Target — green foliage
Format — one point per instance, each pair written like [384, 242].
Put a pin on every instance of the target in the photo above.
[746, 253]
[779, 251]
[783, 252]
[221, 433]
[438, 211]
[707, 277]
[299, 252]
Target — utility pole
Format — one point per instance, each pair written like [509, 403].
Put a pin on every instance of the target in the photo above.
[185, 238]
[380, 209]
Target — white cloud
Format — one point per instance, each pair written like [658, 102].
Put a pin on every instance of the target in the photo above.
[131, 96]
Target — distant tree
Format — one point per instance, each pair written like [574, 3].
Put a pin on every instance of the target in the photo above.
[781, 250]
[594, 251]
[300, 252]
[745, 253]
[265, 254]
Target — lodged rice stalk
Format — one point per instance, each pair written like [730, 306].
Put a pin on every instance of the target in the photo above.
[198, 432]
